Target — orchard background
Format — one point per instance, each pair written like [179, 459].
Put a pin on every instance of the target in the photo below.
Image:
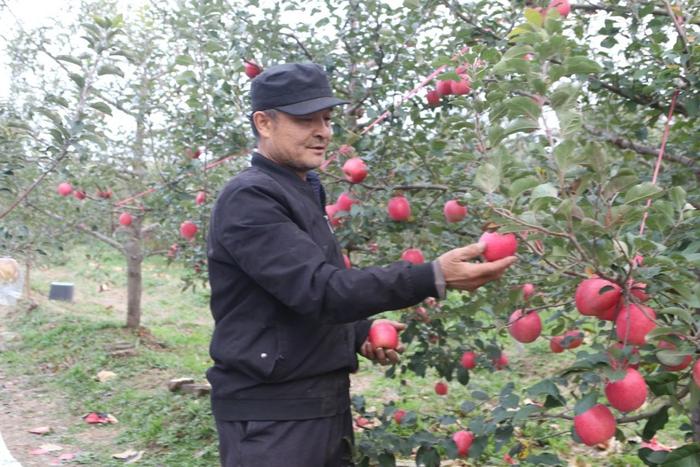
[551, 130]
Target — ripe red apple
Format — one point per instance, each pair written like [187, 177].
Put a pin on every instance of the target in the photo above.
[682, 365]
[196, 153]
[469, 360]
[633, 323]
[345, 202]
[399, 209]
[589, 299]
[201, 198]
[433, 98]
[64, 189]
[528, 290]
[355, 170]
[460, 87]
[696, 373]
[524, 327]
[454, 212]
[623, 362]
[252, 70]
[498, 245]
[568, 340]
[332, 213]
[346, 260]
[399, 416]
[555, 344]
[628, 393]
[638, 289]
[125, 219]
[501, 362]
[611, 313]
[638, 260]
[595, 425]
[444, 87]
[79, 194]
[440, 388]
[188, 229]
[413, 255]
[463, 439]
[562, 7]
[383, 335]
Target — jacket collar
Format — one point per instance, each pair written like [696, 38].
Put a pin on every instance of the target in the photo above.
[266, 164]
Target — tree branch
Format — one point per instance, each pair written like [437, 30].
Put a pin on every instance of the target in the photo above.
[642, 100]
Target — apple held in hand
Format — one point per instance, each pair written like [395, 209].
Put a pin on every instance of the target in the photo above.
[498, 245]
[383, 335]
[413, 255]
[355, 170]
[595, 425]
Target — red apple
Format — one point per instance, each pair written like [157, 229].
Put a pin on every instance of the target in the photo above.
[528, 290]
[468, 360]
[383, 335]
[413, 255]
[623, 362]
[252, 70]
[444, 87]
[696, 373]
[460, 87]
[355, 170]
[638, 289]
[562, 7]
[399, 209]
[628, 393]
[201, 198]
[463, 440]
[682, 365]
[611, 313]
[555, 344]
[64, 189]
[332, 213]
[346, 260]
[345, 202]
[568, 340]
[633, 323]
[188, 229]
[595, 425]
[125, 219]
[638, 260]
[79, 194]
[454, 212]
[501, 362]
[196, 153]
[589, 299]
[498, 245]
[524, 328]
[399, 416]
[440, 388]
[433, 98]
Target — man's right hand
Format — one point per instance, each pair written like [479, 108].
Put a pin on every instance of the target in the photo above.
[462, 275]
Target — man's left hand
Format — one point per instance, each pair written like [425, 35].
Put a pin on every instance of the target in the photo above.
[380, 355]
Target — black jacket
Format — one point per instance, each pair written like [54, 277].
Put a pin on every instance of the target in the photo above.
[289, 318]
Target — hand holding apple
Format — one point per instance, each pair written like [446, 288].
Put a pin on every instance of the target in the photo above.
[383, 356]
[462, 275]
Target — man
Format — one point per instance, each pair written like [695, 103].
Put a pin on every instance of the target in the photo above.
[289, 317]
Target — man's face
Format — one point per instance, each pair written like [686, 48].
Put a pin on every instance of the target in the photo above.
[298, 142]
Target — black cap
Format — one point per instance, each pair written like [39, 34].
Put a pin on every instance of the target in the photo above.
[293, 88]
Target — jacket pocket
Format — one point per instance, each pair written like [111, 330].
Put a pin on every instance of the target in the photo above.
[250, 349]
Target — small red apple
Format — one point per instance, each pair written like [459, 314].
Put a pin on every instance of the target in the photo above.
[196, 153]
[440, 388]
[201, 198]
[562, 7]
[79, 195]
[433, 98]
[444, 87]
[501, 362]
[64, 189]
[413, 255]
[355, 170]
[468, 360]
[399, 208]
[332, 213]
[252, 70]
[589, 299]
[623, 362]
[568, 340]
[454, 212]
[460, 87]
[346, 260]
[633, 323]
[628, 393]
[399, 416]
[696, 373]
[463, 439]
[345, 202]
[528, 290]
[555, 344]
[383, 335]
[125, 219]
[682, 365]
[595, 425]
[498, 245]
[523, 327]
[188, 229]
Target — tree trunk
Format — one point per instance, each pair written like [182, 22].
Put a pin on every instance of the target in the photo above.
[134, 284]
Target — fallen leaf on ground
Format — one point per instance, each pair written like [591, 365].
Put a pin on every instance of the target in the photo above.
[99, 418]
[40, 430]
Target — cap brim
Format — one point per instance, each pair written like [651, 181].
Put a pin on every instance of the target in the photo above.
[311, 106]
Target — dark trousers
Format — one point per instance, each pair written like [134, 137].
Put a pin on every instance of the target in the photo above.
[319, 442]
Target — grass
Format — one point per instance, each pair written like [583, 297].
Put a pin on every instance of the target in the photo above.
[70, 343]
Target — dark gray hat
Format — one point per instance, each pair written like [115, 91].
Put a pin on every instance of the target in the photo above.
[293, 88]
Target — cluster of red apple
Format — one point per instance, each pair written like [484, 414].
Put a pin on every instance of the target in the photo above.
[65, 189]
[448, 87]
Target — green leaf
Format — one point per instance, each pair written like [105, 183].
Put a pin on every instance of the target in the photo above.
[564, 155]
[685, 456]
[523, 106]
[487, 178]
[671, 357]
[110, 70]
[642, 191]
[581, 65]
[655, 423]
[184, 60]
[585, 403]
[522, 184]
[678, 196]
[77, 79]
[386, 460]
[102, 107]
[69, 59]
[682, 314]
[533, 17]
[545, 190]
[544, 458]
